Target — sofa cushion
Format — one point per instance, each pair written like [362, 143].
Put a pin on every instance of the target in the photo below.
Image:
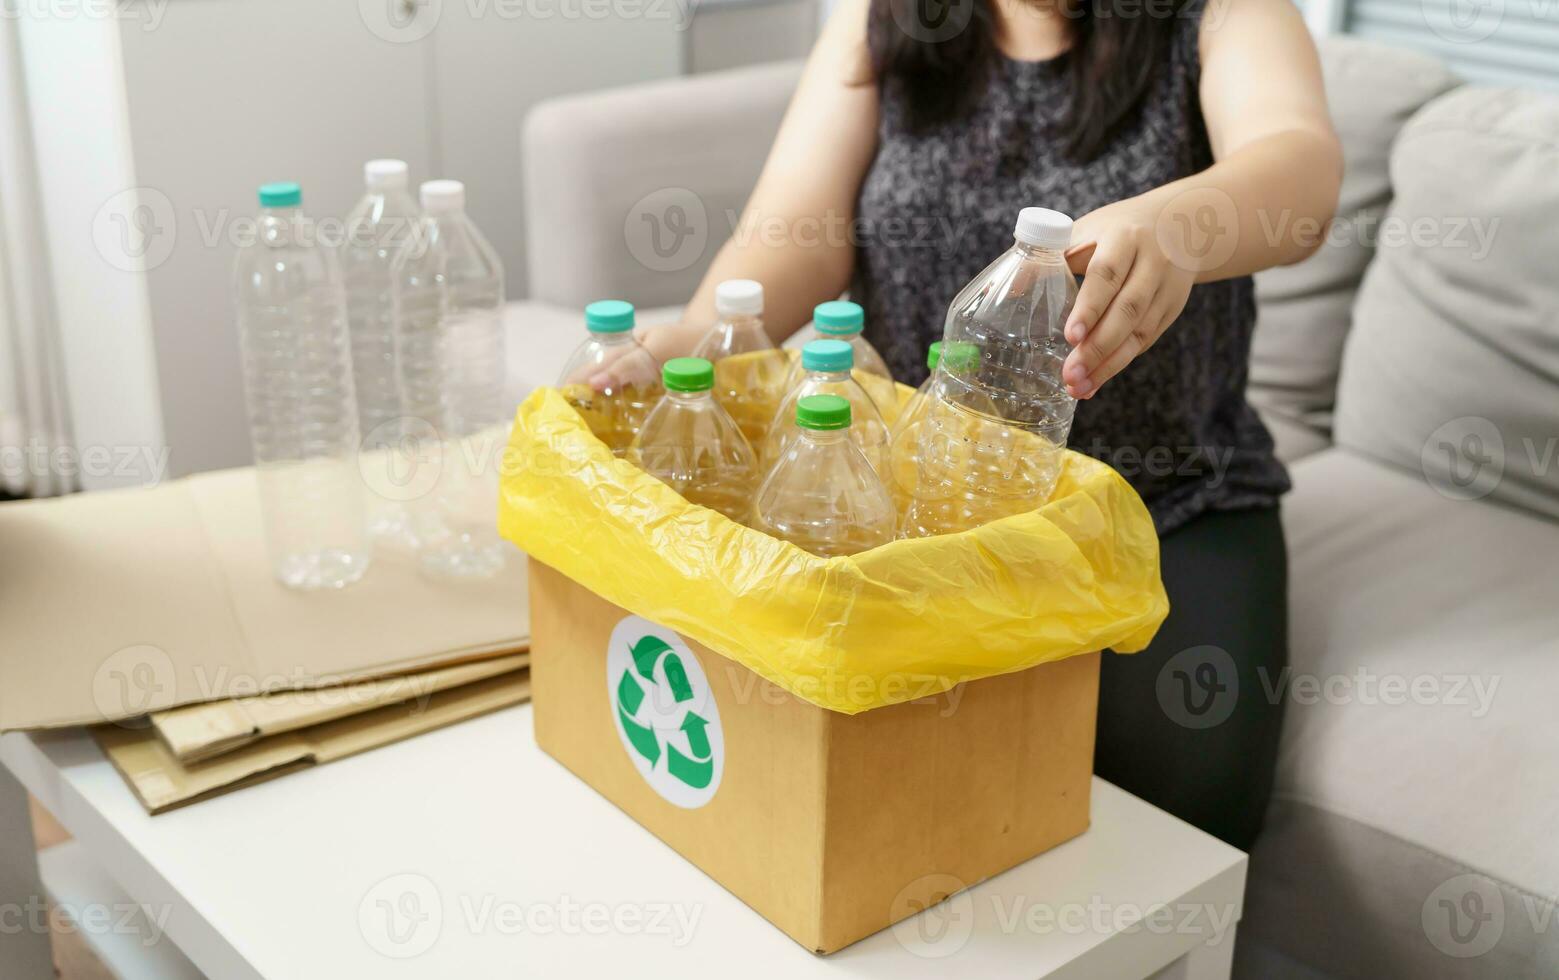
[1452, 367]
[630, 192]
[1417, 764]
[1304, 309]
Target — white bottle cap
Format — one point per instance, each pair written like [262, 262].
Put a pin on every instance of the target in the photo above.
[442, 195]
[739, 297]
[385, 175]
[1043, 228]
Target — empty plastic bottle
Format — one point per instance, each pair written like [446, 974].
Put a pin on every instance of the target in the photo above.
[826, 365]
[843, 320]
[302, 408]
[692, 445]
[450, 348]
[994, 427]
[822, 495]
[750, 372]
[615, 414]
[905, 435]
[376, 229]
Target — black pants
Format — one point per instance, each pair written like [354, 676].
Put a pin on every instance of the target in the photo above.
[1188, 724]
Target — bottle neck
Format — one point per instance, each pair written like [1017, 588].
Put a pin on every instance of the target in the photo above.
[740, 322]
[847, 336]
[688, 397]
[613, 338]
[843, 375]
[824, 437]
[1038, 253]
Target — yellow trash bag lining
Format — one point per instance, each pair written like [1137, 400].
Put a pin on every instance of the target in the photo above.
[899, 622]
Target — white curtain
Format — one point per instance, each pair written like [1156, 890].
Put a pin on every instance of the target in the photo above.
[34, 417]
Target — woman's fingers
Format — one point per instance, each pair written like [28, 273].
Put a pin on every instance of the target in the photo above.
[1149, 328]
[1108, 268]
[1123, 329]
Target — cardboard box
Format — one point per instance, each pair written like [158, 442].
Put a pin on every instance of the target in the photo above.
[161, 781]
[197, 732]
[831, 826]
[124, 602]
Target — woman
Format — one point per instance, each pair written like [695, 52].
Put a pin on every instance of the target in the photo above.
[1192, 138]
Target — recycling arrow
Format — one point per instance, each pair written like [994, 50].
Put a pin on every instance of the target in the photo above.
[646, 652]
[696, 772]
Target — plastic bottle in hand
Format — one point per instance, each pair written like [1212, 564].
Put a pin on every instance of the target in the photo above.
[822, 495]
[994, 428]
[750, 373]
[616, 414]
[450, 348]
[376, 229]
[297, 365]
[827, 365]
[692, 445]
[843, 320]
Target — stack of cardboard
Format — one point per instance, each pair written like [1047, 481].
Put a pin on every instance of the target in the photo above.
[153, 616]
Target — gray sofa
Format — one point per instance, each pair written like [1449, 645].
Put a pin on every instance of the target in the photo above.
[1410, 373]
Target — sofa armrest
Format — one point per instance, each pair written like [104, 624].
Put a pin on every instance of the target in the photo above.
[630, 192]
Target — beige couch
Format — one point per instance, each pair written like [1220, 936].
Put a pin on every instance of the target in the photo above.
[1410, 372]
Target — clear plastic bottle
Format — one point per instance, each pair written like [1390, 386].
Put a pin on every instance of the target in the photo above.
[827, 365]
[615, 415]
[842, 320]
[822, 495]
[750, 372]
[450, 348]
[297, 364]
[376, 229]
[692, 445]
[993, 429]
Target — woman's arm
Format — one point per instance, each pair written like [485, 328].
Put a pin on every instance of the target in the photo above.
[1264, 202]
[794, 235]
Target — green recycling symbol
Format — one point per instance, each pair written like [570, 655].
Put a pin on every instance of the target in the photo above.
[683, 769]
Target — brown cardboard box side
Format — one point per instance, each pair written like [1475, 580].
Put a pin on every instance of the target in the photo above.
[833, 826]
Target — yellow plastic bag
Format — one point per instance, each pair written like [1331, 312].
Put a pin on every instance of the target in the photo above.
[899, 622]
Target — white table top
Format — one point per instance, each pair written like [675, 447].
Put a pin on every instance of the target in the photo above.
[505, 864]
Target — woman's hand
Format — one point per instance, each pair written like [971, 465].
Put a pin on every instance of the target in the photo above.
[641, 365]
[1132, 291]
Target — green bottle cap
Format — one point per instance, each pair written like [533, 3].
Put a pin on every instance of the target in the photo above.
[283, 194]
[823, 412]
[688, 374]
[609, 316]
[933, 355]
[838, 316]
[961, 356]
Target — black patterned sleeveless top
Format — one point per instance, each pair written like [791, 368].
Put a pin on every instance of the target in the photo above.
[937, 207]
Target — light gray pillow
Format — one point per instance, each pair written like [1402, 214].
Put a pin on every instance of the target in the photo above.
[1303, 317]
[1452, 368]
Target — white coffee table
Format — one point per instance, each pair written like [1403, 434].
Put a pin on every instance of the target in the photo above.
[468, 853]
